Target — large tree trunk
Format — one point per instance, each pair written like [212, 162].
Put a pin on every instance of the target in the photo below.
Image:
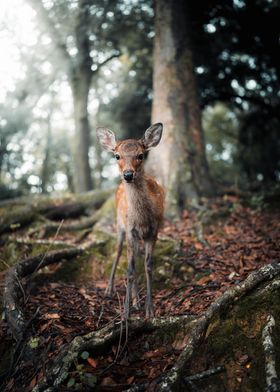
[82, 172]
[179, 161]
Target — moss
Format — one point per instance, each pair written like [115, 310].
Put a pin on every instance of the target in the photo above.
[11, 253]
[235, 341]
[166, 247]
[105, 248]
[14, 218]
[69, 271]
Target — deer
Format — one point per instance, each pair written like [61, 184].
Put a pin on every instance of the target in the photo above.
[140, 209]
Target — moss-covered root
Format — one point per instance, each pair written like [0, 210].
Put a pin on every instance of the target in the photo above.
[14, 292]
[173, 381]
[99, 342]
[16, 218]
[26, 211]
[272, 380]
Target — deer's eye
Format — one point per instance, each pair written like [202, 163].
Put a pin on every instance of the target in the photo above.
[117, 157]
[140, 157]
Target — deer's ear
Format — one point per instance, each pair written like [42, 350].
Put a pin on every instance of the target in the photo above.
[152, 136]
[106, 138]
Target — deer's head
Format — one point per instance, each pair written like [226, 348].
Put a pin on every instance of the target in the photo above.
[130, 153]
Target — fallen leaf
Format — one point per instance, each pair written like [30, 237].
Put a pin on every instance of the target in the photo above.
[92, 362]
[107, 381]
[33, 382]
[130, 380]
[52, 316]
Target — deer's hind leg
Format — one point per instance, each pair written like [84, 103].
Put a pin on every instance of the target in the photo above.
[149, 247]
[131, 289]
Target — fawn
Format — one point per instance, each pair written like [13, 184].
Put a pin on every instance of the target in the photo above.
[140, 204]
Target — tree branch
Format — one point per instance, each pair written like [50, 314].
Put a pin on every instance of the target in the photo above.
[100, 65]
[60, 45]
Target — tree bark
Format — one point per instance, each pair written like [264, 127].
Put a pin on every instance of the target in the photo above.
[180, 160]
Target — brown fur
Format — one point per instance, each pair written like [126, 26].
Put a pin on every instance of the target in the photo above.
[140, 206]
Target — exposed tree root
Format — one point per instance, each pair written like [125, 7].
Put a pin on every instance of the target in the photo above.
[272, 380]
[205, 374]
[189, 381]
[65, 211]
[83, 224]
[173, 380]
[22, 215]
[99, 342]
[14, 293]
[28, 241]
[17, 219]
[43, 202]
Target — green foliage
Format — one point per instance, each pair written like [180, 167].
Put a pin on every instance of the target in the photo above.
[34, 342]
[221, 126]
[71, 382]
[129, 111]
[79, 377]
[258, 203]
[84, 355]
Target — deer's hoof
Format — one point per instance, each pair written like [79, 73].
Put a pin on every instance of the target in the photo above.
[109, 291]
[149, 312]
[136, 306]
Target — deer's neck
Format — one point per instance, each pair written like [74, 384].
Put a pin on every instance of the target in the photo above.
[135, 190]
[136, 193]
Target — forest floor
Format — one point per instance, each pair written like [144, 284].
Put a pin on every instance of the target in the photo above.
[215, 254]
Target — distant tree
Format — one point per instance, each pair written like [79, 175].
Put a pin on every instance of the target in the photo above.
[77, 30]
[87, 35]
[221, 125]
[180, 160]
[12, 122]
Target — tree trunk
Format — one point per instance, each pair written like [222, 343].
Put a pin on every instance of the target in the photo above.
[46, 161]
[3, 151]
[180, 160]
[82, 173]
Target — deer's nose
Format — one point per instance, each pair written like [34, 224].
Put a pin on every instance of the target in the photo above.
[128, 175]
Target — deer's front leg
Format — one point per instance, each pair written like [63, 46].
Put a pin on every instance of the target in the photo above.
[110, 288]
[132, 246]
[149, 246]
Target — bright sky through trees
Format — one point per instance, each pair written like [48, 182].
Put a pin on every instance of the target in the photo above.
[17, 29]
